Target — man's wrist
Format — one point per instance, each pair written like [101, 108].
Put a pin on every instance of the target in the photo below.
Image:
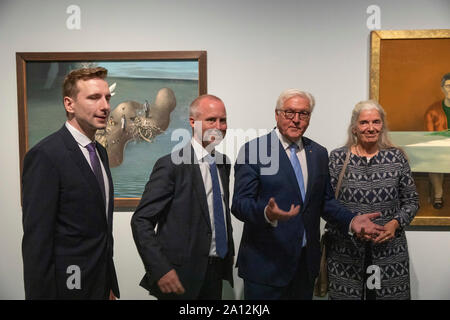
[350, 231]
[272, 223]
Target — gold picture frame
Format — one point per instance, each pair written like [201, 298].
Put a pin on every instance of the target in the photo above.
[398, 63]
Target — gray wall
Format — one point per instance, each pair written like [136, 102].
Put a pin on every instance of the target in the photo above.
[255, 50]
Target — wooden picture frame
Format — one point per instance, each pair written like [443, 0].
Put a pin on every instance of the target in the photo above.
[406, 67]
[184, 70]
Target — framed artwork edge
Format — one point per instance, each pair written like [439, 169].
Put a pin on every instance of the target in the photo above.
[23, 57]
[375, 45]
[376, 37]
[430, 221]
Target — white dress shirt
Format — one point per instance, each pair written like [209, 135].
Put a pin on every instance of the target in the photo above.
[200, 153]
[301, 155]
[83, 141]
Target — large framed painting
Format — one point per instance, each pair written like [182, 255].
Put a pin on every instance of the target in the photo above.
[151, 93]
[410, 77]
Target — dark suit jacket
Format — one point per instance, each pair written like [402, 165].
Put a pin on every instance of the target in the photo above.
[174, 200]
[64, 222]
[269, 255]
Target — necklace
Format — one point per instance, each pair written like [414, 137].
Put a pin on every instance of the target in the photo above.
[367, 155]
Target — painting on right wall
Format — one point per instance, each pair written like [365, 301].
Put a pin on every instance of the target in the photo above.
[410, 78]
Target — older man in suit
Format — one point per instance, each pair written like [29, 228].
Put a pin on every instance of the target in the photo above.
[186, 199]
[282, 188]
[68, 202]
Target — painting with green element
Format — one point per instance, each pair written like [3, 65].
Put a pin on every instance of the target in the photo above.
[150, 100]
[427, 151]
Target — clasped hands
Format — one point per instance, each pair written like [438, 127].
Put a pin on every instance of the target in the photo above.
[361, 225]
[387, 234]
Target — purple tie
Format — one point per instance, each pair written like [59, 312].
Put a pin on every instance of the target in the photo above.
[96, 167]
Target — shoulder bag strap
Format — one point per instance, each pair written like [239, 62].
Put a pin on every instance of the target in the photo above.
[341, 175]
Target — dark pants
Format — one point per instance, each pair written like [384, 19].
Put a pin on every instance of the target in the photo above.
[300, 288]
[212, 285]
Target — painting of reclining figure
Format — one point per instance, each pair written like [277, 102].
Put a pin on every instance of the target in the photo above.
[150, 99]
[132, 121]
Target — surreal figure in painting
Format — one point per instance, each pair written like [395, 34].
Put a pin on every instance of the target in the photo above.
[437, 118]
[132, 120]
[150, 101]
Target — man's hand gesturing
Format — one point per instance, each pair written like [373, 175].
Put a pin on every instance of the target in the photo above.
[273, 212]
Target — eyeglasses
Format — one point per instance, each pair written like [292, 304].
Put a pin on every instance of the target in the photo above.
[289, 114]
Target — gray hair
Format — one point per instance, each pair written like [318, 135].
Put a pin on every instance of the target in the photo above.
[289, 93]
[384, 142]
[445, 78]
[193, 112]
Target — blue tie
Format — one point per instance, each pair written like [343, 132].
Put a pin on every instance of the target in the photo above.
[299, 175]
[297, 169]
[219, 222]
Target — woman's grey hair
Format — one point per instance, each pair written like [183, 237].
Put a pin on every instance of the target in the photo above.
[289, 93]
[384, 142]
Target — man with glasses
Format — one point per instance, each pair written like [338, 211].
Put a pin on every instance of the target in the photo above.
[437, 118]
[280, 250]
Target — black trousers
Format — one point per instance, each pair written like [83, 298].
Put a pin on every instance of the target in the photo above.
[300, 288]
[212, 285]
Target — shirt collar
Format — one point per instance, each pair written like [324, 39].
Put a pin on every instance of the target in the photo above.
[80, 138]
[286, 142]
[200, 152]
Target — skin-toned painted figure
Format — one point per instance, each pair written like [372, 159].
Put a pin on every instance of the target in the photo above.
[132, 120]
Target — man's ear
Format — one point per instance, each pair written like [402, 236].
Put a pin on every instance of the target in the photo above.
[68, 104]
[192, 122]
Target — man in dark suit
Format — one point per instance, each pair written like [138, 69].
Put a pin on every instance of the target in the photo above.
[186, 199]
[68, 200]
[282, 188]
